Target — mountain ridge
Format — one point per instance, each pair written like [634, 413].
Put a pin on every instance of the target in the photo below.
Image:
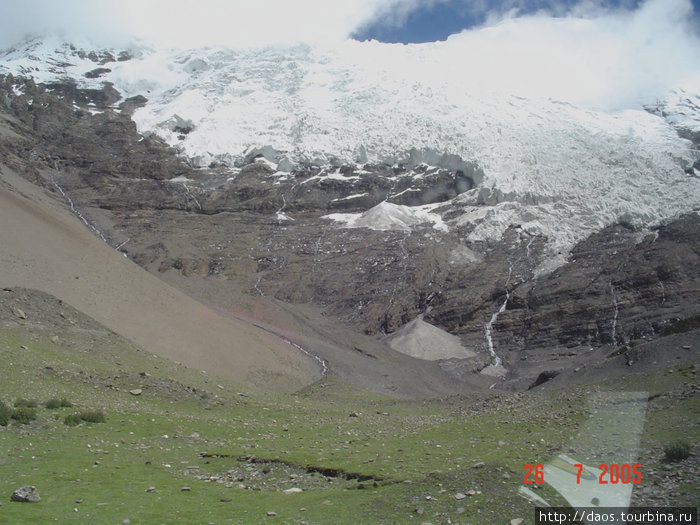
[372, 247]
[562, 171]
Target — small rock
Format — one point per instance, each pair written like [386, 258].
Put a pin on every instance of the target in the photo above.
[136, 392]
[225, 500]
[19, 313]
[271, 513]
[151, 489]
[126, 521]
[460, 496]
[354, 414]
[516, 521]
[26, 494]
[55, 340]
[144, 374]
[293, 490]
[185, 489]
[479, 464]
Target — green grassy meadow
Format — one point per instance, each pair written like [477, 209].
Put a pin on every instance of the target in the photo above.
[190, 448]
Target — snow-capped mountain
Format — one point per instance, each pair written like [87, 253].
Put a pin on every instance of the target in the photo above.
[378, 186]
[558, 170]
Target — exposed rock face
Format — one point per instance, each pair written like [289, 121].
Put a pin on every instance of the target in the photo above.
[267, 236]
[619, 285]
[94, 146]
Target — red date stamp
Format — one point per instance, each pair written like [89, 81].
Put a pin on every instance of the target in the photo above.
[613, 473]
[538, 476]
[624, 473]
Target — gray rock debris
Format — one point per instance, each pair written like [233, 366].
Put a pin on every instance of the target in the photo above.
[26, 494]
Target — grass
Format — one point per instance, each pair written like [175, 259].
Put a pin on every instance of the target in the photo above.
[23, 415]
[677, 451]
[398, 461]
[5, 414]
[54, 403]
[88, 416]
[26, 403]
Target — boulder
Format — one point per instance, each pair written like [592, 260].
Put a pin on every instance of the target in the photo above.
[26, 494]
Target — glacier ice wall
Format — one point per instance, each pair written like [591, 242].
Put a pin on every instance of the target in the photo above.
[557, 170]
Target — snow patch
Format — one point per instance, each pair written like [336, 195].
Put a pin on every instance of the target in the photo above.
[461, 254]
[387, 216]
[350, 197]
[263, 160]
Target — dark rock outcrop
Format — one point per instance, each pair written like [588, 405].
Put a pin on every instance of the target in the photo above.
[93, 141]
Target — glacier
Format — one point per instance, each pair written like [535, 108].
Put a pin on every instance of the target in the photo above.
[557, 169]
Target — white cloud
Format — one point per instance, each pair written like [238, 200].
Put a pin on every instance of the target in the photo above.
[612, 59]
[588, 54]
[187, 23]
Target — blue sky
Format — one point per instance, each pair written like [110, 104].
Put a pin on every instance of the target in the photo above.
[433, 20]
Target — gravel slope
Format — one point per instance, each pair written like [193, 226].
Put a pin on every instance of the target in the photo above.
[45, 247]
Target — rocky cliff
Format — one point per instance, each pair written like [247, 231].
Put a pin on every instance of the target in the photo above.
[362, 247]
